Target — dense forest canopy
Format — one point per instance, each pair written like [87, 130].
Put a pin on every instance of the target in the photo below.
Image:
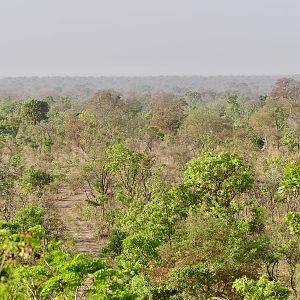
[150, 188]
[84, 87]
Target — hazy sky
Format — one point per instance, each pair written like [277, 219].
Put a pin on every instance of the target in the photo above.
[149, 37]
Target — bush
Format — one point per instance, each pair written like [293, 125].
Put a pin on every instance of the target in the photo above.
[29, 216]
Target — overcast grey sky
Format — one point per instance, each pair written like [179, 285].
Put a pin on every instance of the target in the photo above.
[149, 37]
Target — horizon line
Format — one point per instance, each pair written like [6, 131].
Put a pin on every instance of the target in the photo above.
[153, 75]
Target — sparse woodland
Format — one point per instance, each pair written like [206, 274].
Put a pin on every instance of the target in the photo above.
[151, 195]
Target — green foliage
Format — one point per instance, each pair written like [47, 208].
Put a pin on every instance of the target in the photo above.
[32, 269]
[126, 166]
[114, 246]
[47, 142]
[140, 248]
[217, 177]
[36, 178]
[8, 128]
[256, 139]
[6, 179]
[147, 225]
[289, 139]
[293, 221]
[28, 216]
[262, 289]
[65, 273]
[232, 100]
[210, 246]
[212, 250]
[279, 117]
[111, 284]
[121, 158]
[34, 111]
[168, 230]
[291, 181]
[193, 281]
[16, 249]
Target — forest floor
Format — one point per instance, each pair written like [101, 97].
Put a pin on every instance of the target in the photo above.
[77, 229]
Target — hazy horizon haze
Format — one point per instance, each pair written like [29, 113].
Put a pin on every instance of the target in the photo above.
[144, 38]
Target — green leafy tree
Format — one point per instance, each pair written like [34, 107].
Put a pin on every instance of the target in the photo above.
[217, 178]
[28, 216]
[290, 248]
[34, 111]
[261, 289]
[291, 181]
[131, 171]
[36, 178]
[34, 268]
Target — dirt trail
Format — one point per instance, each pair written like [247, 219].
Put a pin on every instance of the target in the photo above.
[77, 228]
